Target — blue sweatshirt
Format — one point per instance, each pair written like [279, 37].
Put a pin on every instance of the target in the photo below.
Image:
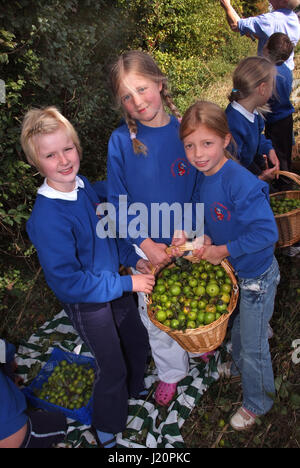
[13, 403]
[78, 265]
[280, 103]
[237, 213]
[164, 175]
[246, 129]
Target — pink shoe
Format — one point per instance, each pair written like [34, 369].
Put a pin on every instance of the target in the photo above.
[165, 393]
[205, 356]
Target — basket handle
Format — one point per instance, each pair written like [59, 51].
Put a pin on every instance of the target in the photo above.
[188, 246]
[290, 175]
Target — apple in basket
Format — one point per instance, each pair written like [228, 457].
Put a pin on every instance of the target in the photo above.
[191, 295]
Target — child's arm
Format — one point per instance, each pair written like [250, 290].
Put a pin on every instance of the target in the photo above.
[265, 145]
[215, 253]
[144, 266]
[143, 283]
[117, 194]
[274, 159]
[71, 281]
[129, 257]
[253, 211]
[231, 15]
[155, 252]
[268, 174]
[127, 253]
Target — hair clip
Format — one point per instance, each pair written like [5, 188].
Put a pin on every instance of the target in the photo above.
[234, 90]
[132, 136]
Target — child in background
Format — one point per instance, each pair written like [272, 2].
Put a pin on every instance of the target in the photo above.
[281, 19]
[19, 426]
[146, 162]
[246, 235]
[82, 269]
[253, 81]
[279, 122]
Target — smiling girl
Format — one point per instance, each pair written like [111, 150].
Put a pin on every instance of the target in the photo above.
[240, 222]
[82, 269]
[147, 163]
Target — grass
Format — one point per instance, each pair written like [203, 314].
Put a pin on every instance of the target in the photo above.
[208, 424]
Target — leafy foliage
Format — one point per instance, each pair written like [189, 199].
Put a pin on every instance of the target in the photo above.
[189, 39]
[57, 53]
[51, 53]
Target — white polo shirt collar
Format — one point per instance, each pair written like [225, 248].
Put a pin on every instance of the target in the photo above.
[249, 115]
[50, 192]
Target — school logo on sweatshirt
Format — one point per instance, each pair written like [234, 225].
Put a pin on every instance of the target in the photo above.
[220, 212]
[180, 167]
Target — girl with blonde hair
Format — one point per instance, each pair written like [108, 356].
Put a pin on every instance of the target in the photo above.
[253, 85]
[147, 163]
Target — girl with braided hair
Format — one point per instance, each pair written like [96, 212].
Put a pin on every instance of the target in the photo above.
[147, 163]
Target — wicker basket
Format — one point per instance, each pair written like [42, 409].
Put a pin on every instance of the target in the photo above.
[288, 223]
[207, 337]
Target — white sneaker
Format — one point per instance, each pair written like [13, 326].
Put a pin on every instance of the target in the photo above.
[291, 251]
[242, 420]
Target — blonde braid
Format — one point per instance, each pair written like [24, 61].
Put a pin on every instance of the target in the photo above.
[167, 98]
[138, 146]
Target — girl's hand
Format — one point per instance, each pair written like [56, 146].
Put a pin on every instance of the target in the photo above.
[179, 239]
[155, 252]
[143, 283]
[215, 253]
[143, 266]
[225, 3]
[268, 174]
[274, 160]
[199, 244]
[200, 241]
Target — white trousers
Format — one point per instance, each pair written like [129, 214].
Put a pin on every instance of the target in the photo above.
[171, 360]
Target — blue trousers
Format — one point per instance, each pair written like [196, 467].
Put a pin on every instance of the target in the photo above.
[115, 335]
[249, 336]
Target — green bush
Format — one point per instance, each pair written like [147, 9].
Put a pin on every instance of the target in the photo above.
[57, 53]
[190, 40]
[51, 53]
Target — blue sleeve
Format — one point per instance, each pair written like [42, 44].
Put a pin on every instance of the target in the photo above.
[64, 273]
[116, 186]
[261, 26]
[12, 408]
[100, 188]
[262, 231]
[241, 138]
[198, 225]
[265, 145]
[128, 255]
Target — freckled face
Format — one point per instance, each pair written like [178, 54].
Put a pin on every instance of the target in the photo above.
[205, 150]
[141, 99]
